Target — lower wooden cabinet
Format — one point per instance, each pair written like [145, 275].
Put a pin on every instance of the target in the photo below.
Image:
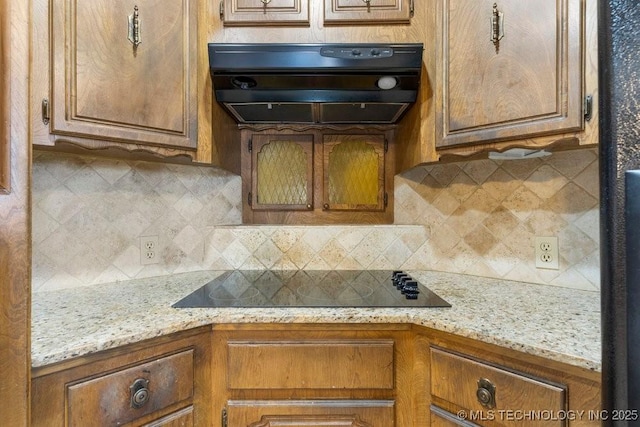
[314, 375]
[334, 375]
[476, 384]
[486, 392]
[164, 382]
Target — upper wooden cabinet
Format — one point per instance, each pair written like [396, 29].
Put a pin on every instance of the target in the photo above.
[316, 176]
[367, 11]
[264, 12]
[120, 71]
[509, 69]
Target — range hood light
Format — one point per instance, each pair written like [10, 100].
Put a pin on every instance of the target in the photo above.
[243, 82]
[387, 82]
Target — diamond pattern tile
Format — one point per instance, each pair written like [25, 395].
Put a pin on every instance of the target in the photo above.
[474, 218]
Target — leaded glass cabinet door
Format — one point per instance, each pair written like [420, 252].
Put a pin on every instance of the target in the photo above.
[354, 172]
[282, 172]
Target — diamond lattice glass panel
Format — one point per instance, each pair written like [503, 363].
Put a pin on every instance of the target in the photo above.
[282, 174]
[353, 174]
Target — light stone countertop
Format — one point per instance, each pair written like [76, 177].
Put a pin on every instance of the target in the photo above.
[556, 323]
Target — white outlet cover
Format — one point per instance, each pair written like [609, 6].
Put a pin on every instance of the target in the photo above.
[149, 250]
[546, 253]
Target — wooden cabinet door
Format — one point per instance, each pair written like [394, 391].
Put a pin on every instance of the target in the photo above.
[311, 413]
[15, 226]
[368, 11]
[264, 12]
[313, 176]
[527, 82]
[106, 86]
[282, 172]
[354, 172]
[5, 101]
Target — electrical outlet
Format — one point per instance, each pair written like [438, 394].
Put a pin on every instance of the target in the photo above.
[149, 250]
[546, 251]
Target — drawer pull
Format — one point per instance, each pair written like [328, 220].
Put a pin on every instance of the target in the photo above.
[139, 393]
[486, 393]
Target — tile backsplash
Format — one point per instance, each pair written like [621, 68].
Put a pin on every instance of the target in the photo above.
[478, 217]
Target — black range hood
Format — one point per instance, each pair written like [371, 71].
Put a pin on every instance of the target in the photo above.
[362, 83]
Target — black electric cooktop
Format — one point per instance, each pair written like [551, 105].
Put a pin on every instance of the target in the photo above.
[312, 288]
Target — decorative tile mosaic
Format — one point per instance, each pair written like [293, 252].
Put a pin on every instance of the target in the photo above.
[478, 218]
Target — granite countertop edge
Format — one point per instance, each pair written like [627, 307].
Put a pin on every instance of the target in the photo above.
[556, 323]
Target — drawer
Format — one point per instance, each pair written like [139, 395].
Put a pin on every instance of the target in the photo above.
[107, 400]
[442, 418]
[182, 418]
[315, 364]
[461, 380]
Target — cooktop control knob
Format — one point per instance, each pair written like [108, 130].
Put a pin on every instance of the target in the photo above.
[356, 52]
[405, 284]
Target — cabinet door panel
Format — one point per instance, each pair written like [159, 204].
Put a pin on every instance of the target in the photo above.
[526, 83]
[259, 12]
[106, 87]
[354, 172]
[312, 413]
[367, 12]
[330, 364]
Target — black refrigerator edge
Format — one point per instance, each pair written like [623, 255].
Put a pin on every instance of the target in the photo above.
[619, 149]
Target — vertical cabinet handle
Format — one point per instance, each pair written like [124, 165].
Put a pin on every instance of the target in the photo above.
[497, 26]
[134, 28]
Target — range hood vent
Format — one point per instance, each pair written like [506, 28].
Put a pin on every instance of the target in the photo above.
[360, 83]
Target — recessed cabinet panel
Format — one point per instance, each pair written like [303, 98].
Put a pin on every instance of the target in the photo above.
[344, 364]
[509, 71]
[125, 70]
[312, 413]
[265, 12]
[367, 11]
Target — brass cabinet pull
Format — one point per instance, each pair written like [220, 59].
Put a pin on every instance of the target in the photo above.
[139, 391]
[486, 393]
[497, 26]
[45, 111]
[134, 28]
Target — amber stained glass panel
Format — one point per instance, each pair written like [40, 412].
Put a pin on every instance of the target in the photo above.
[282, 174]
[353, 174]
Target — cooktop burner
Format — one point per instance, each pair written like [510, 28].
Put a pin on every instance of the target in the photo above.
[312, 288]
